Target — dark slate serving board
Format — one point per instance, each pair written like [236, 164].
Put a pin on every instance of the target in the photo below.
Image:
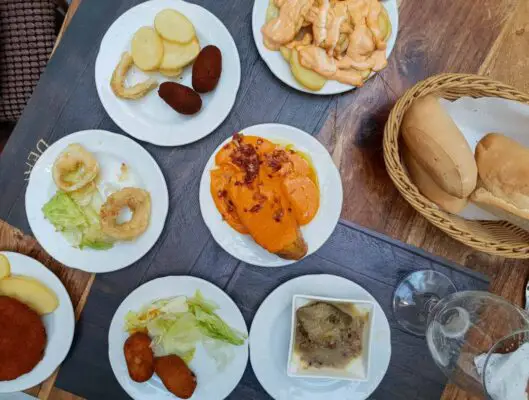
[66, 101]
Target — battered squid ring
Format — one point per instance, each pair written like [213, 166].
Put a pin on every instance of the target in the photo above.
[117, 83]
[75, 168]
[139, 202]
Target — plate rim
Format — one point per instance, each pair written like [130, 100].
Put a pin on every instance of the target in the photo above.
[202, 199]
[115, 324]
[291, 281]
[63, 141]
[233, 95]
[343, 88]
[63, 297]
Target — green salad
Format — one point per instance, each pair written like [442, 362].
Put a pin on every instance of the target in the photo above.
[76, 216]
[177, 325]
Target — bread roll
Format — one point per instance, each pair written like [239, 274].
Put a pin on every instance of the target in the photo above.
[429, 188]
[503, 166]
[439, 147]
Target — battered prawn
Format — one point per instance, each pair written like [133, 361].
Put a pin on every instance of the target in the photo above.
[75, 168]
[138, 201]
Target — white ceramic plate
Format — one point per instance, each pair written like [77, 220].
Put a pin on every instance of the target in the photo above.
[281, 68]
[315, 233]
[60, 324]
[150, 119]
[270, 336]
[211, 384]
[111, 150]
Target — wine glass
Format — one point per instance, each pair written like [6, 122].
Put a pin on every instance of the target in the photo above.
[459, 326]
[505, 369]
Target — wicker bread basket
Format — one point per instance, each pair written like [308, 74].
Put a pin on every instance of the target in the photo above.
[494, 237]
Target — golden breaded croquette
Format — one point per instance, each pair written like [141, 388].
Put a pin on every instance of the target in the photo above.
[176, 376]
[139, 356]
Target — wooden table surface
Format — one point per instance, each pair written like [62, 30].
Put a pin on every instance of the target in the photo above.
[489, 37]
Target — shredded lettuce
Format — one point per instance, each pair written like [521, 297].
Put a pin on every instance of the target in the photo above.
[177, 325]
[214, 327]
[83, 196]
[199, 301]
[64, 213]
[78, 222]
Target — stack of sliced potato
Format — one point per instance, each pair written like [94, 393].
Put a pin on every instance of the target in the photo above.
[27, 290]
[168, 47]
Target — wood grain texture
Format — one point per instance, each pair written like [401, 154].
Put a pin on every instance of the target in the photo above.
[508, 61]
[77, 284]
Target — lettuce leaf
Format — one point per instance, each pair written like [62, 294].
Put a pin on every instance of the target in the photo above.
[64, 213]
[198, 300]
[214, 327]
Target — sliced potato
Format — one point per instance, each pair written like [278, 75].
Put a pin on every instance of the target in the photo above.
[306, 77]
[30, 292]
[5, 267]
[384, 24]
[147, 49]
[286, 53]
[171, 73]
[174, 26]
[177, 56]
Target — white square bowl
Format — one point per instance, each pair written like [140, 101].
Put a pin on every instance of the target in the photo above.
[357, 369]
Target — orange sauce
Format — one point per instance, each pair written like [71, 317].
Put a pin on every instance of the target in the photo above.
[268, 197]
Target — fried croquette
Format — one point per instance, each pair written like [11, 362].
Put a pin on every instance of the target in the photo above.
[176, 376]
[22, 338]
[139, 356]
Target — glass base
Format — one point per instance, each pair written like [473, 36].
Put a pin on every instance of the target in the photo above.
[415, 297]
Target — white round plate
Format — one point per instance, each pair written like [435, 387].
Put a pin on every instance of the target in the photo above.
[315, 233]
[59, 324]
[111, 150]
[211, 384]
[281, 68]
[270, 338]
[150, 119]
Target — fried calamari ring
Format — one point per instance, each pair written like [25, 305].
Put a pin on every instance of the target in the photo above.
[138, 201]
[75, 168]
[117, 83]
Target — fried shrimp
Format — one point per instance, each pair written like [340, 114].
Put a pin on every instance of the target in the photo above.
[117, 83]
[75, 168]
[138, 201]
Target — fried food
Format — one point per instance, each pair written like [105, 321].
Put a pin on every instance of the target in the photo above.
[138, 201]
[31, 292]
[5, 267]
[147, 49]
[174, 26]
[117, 83]
[267, 191]
[207, 69]
[22, 339]
[74, 168]
[139, 357]
[176, 376]
[178, 55]
[348, 40]
[180, 98]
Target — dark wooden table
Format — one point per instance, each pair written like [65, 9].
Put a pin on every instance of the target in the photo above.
[485, 36]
